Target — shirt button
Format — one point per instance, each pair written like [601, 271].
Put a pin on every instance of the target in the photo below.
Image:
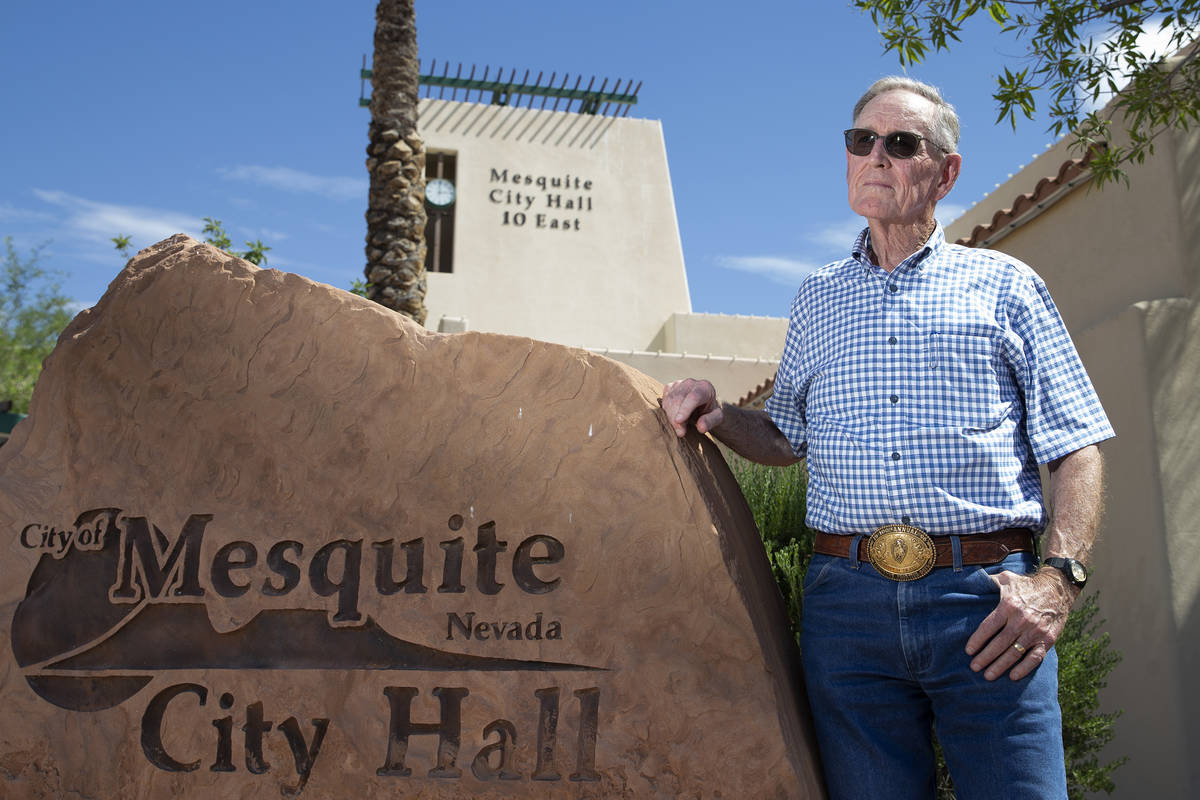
[894, 399]
[895, 456]
[906, 519]
[892, 340]
[893, 288]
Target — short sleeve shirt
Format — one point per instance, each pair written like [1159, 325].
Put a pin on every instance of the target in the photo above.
[929, 395]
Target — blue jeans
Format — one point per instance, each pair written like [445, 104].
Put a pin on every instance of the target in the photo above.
[885, 661]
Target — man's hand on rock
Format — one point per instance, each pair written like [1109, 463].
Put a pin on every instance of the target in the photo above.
[692, 401]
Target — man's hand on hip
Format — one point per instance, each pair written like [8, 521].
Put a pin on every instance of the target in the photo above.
[1027, 622]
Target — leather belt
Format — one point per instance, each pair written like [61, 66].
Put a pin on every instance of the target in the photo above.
[977, 548]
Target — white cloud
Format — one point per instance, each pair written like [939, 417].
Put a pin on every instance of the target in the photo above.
[833, 240]
[98, 222]
[787, 271]
[1154, 43]
[838, 236]
[10, 213]
[293, 180]
[269, 236]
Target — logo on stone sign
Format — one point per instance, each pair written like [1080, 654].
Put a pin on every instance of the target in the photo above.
[114, 602]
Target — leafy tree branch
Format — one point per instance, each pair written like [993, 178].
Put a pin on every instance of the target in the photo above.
[214, 234]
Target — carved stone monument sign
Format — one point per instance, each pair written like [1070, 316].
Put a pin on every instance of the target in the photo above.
[263, 537]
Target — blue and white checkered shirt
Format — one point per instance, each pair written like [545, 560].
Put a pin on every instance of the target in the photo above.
[929, 395]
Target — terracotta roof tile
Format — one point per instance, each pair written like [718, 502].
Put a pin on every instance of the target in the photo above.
[758, 395]
[1068, 171]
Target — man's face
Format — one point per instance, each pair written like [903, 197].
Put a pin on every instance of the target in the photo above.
[893, 190]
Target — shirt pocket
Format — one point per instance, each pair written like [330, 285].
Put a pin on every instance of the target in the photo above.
[961, 386]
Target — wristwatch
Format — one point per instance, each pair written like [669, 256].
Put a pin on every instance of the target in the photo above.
[1075, 571]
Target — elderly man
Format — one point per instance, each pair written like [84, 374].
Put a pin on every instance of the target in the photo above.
[925, 382]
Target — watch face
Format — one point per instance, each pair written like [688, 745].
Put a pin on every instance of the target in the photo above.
[439, 192]
[1076, 572]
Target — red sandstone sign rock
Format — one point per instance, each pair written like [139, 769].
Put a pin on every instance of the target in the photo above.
[263, 537]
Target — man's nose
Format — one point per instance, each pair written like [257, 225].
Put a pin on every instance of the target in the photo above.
[878, 152]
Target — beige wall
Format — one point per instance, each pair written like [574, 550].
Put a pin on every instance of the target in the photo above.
[732, 376]
[608, 275]
[1122, 265]
[733, 334]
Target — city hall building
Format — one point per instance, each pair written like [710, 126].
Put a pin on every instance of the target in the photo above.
[560, 225]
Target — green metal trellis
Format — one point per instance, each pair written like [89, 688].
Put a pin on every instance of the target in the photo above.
[512, 92]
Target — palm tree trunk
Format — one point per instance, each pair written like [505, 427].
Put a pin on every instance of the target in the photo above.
[395, 249]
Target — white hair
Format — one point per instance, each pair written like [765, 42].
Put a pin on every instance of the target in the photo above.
[944, 125]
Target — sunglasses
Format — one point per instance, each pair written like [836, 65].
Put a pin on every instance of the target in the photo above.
[900, 144]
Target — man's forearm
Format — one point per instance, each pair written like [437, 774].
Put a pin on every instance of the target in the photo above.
[752, 435]
[1033, 609]
[1077, 503]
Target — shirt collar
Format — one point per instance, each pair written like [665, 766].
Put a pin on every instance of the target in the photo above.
[933, 245]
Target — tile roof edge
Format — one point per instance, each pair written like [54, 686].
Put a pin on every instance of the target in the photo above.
[1068, 172]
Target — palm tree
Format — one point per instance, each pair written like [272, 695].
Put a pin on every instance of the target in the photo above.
[395, 249]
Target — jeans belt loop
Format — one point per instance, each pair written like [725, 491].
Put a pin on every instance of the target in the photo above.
[854, 550]
[956, 549]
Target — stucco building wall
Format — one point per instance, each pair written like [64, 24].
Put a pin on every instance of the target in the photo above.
[606, 271]
[745, 336]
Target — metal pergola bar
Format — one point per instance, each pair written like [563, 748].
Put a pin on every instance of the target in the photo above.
[510, 92]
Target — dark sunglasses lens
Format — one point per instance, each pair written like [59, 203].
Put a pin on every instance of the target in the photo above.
[860, 142]
[902, 144]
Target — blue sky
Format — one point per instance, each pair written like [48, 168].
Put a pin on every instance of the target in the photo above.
[140, 118]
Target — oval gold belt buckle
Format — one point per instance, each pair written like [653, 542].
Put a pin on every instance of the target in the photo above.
[901, 552]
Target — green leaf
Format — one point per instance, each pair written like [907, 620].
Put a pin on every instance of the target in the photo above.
[214, 234]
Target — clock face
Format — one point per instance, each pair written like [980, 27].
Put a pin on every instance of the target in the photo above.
[439, 192]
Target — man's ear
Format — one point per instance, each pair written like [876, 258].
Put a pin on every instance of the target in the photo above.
[951, 166]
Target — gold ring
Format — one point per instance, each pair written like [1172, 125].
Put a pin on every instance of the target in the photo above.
[1020, 648]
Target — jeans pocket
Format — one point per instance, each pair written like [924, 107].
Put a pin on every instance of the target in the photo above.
[1016, 563]
[982, 577]
[819, 570]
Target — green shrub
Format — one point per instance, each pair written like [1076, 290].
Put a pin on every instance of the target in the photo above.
[1084, 661]
[776, 497]
[32, 314]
